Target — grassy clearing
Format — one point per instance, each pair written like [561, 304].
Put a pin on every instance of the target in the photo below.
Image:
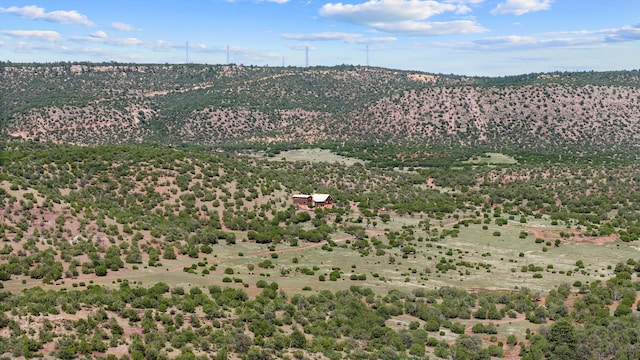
[492, 159]
[508, 254]
[479, 259]
[315, 155]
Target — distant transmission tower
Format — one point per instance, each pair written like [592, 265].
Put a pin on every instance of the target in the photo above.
[186, 50]
[306, 49]
[227, 54]
[367, 55]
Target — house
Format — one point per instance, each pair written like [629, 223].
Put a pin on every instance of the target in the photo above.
[322, 200]
[304, 201]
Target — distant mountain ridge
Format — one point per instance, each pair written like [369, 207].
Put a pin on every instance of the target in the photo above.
[219, 105]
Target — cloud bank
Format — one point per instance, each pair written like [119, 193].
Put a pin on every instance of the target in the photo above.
[122, 26]
[351, 38]
[59, 16]
[404, 16]
[521, 7]
[43, 35]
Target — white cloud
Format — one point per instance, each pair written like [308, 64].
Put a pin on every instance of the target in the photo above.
[351, 38]
[99, 35]
[432, 28]
[376, 11]
[102, 37]
[44, 35]
[464, 2]
[374, 40]
[122, 26]
[163, 45]
[58, 16]
[627, 33]
[324, 36]
[565, 39]
[126, 41]
[520, 7]
[404, 16]
[462, 5]
[512, 41]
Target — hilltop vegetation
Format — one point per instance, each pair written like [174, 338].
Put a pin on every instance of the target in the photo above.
[262, 106]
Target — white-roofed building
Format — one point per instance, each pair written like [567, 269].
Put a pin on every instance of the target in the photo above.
[304, 201]
[322, 200]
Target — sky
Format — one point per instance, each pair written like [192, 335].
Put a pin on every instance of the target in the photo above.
[463, 37]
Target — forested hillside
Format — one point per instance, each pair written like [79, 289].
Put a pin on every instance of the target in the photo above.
[234, 105]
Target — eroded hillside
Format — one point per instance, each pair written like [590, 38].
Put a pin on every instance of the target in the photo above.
[528, 117]
[222, 105]
[111, 103]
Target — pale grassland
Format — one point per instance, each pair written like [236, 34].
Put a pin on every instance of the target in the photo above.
[484, 261]
[493, 159]
[315, 155]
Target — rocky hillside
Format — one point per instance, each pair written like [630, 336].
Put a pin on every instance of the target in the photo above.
[221, 105]
[527, 117]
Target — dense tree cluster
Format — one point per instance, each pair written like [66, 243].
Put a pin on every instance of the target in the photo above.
[159, 321]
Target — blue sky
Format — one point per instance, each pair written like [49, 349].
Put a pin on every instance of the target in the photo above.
[466, 37]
